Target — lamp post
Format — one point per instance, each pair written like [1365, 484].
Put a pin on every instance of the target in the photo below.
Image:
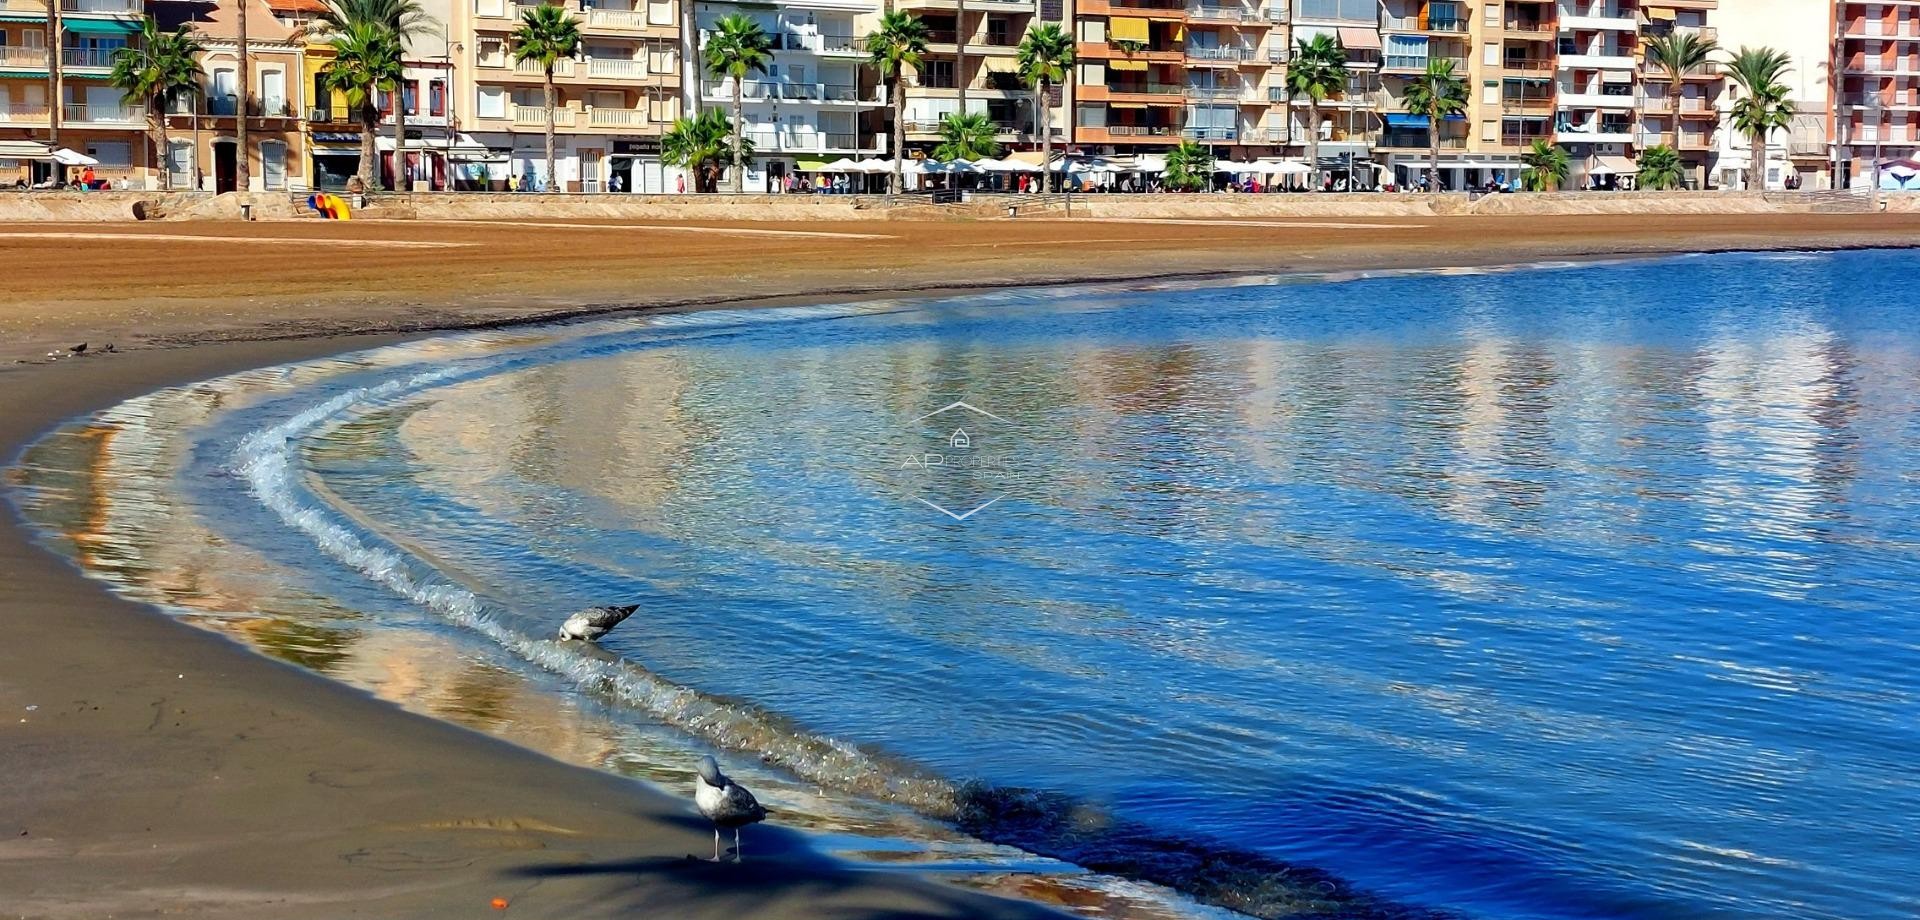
[1873, 190]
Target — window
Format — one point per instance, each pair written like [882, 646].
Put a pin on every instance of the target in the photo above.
[111, 154]
[492, 102]
[1492, 15]
[180, 162]
[1490, 54]
[491, 52]
[273, 164]
[996, 30]
[490, 7]
[937, 74]
[223, 98]
[437, 98]
[410, 97]
[1092, 116]
[322, 99]
[1490, 131]
[660, 13]
[273, 92]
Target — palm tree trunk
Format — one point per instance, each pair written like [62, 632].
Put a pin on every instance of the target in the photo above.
[1757, 170]
[960, 52]
[1673, 105]
[242, 175]
[1046, 136]
[1313, 140]
[1433, 150]
[549, 99]
[739, 128]
[899, 130]
[402, 181]
[160, 121]
[55, 105]
[369, 130]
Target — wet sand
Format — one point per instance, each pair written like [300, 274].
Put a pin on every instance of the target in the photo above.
[164, 770]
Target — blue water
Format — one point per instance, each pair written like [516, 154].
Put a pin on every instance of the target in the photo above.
[1582, 592]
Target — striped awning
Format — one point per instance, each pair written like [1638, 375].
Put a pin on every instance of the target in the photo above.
[100, 26]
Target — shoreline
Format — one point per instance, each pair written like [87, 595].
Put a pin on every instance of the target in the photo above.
[291, 794]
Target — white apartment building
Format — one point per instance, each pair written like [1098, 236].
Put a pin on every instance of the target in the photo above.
[812, 104]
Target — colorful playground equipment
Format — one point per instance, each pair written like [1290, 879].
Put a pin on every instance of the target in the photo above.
[330, 206]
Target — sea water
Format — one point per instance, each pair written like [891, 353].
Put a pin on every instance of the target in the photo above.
[1577, 591]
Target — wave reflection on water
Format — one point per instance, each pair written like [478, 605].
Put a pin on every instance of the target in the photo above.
[1552, 594]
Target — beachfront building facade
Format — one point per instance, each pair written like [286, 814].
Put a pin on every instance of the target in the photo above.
[817, 101]
[204, 143]
[1875, 100]
[971, 66]
[1691, 127]
[1350, 124]
[612, 102]
[90, 117]
[1803, 153]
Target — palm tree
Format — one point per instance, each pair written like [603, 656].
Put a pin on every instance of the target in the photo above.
[405, 19]
[366, 62]
[547, 34]
[896, 45]
[736, 48]
[966, 136]
[1189, 166]
[699, 145]
[1764, 107]
[1437, 94]
[242, 180]
[1318, 68]
[1546, 165]
[158, 69]
[1660, 168]
[1679, 53]
[1045, 56]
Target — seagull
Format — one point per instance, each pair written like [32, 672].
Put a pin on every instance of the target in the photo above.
[79, 349]
[725, 803]
[592, 623]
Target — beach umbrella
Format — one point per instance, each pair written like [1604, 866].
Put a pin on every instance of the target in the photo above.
[66, 157]
[1284, 168]
[875, 166]
[1150, 163]
[840, 165]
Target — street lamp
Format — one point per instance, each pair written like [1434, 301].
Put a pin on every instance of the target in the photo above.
[1874, 110]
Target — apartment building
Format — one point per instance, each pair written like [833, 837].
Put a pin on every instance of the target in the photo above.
[90, 117]
[1351, 123]
[1876, 97]
[203, 145]
[816, 102]
[971, 62]
[1693, 126]
[612, 102]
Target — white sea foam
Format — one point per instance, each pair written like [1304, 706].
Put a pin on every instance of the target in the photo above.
[266, 459]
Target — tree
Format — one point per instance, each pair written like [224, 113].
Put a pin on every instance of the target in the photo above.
[159, 68]
[1189, 167]
[1679, 53]
[1763, 106]
[404, 19]
[899, 43]
[1660, 168]
[1045, 57]
[700, 145]
[1546, 166]
[967, 136]
[242, 158]
[1318, 69]
[1437, 94]
[737, 47]
[366, 62]
[547, 34]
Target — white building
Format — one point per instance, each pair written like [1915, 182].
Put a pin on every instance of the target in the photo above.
[812, 104]
[1804, 31]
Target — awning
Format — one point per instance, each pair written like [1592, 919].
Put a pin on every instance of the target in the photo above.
[23, 150]
[1616, 76]
[100, 26]
[1126, 29]
[324, 151]
[808, 164]
[24, 74]
[1610, 165]
[1126, 105]
[1660, 12]
[66, 157]
[23, 17]
[1118, 64]
[1356, 39]
[1396, 120]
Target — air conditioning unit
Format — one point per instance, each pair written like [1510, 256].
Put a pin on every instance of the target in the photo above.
[321, 115]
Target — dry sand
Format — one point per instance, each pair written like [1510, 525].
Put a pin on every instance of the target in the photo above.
[167, 771]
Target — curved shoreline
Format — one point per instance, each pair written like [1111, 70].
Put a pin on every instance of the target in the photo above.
[165, 769]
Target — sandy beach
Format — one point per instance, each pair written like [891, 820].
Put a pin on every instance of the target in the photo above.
[154, 769]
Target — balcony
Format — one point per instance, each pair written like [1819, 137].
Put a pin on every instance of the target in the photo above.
[1219, 94]
[562, 68]
[535, 116]
[82, 113]
[1453, 26]
[617, 69]
[1523, 138]
[1531, 27]
[1599, 59]
[1529, 65]
[759, 91]
[622, 20]
[20, 113]
[1568, 98]
[1145, 9]
[87, 57]
[103, 7]
[1128, 134]
[14, 56]
[1594, 134]
[1105, 51]
[1689, 140]
[1214, 135]
[603, 117]
[1907, 100]
[1208, 12]
[1599, 17]
[1225, 55]
[1517, 105]
[839, 43]
[1656, 104]
[1168, 93]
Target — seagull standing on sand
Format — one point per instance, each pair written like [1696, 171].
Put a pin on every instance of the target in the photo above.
[592, 623]
[725, 803]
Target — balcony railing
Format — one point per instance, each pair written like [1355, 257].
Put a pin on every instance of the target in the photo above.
[1213, 93]
[1210, 12]
[1209, 134]
[1531, 26]
[21, 113]
[1413, 24]
[1905, 100]
[119, 7]
[87, 57]
[601, 117]
[15, 56]
[798, 92]
[617, 19]
[1140, 130]
[854, 44]
[1524, 138]
[86, 113]
[618, 68]
[535, 116]
[561, 68]
[1146, 89]
[1198, 53]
